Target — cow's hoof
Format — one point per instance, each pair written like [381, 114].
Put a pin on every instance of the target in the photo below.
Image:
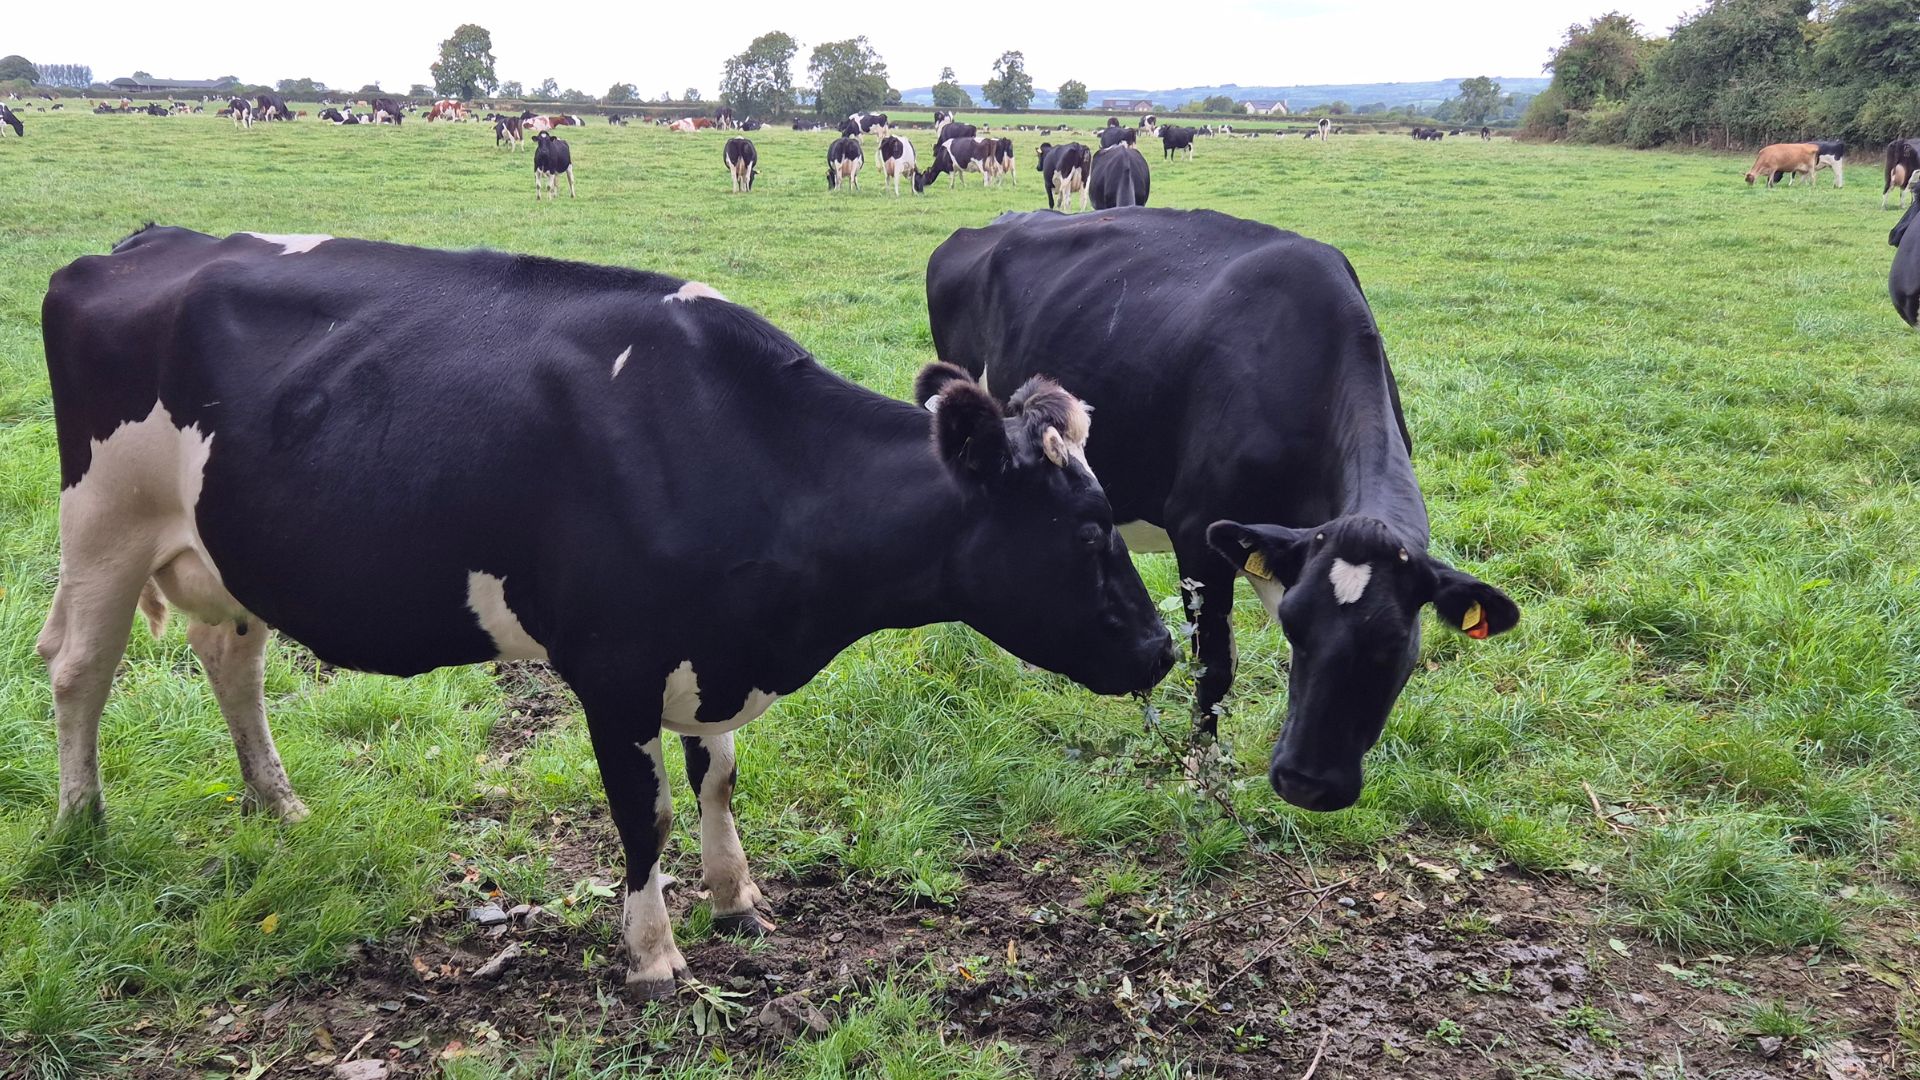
[81, 821]
[653, 989]
[748, 923]
[288, 808]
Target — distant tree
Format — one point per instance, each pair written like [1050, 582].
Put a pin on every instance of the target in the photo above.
[847, 76]
[1337, 108]
[948, 94]
[548, 89]
[691, 95]
[666, 97]
[465, 67]
[1011, 88]
[227, 81]
[1071, 95]
[1372, 107]
[619, 93]
[574, 97]
[372, 89]
[1478, 99]
[75, 76]
[301, 89]
[893, 97]
[1218, 103]
[758, 81]
[419, 90]
[139, 76]
[1881, 37]
[512, 89]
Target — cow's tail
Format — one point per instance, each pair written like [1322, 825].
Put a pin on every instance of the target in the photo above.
[1124, 195]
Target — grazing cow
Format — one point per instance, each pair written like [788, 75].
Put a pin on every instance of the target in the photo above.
[418, 490]
[1114, 135]
[1258, 391]
[1324, 127]
[386, 111]
[1486, 134]
[273, 107]
[509, 131]
[8, 118]
[1795, 158]
[950, 130]
[241, 110]
[865, 123]
[1903, 169]
[999, 164]
[723, 117]
[1829, 152]
[743, 161]
[1063, 171]
[552, 157]
[897, 160]
[616, 120]
[953, 157]
[446, 109]
[1903, 281]
[1119, 177]
[1174, 137]
[843, 163]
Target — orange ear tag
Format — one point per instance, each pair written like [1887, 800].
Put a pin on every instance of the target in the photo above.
[1475, 623]
[1256, 565]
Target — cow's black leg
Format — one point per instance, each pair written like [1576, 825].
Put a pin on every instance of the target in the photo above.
[623, 718]
[723, 864]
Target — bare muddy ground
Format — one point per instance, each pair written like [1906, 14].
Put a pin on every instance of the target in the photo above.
[1426, 962]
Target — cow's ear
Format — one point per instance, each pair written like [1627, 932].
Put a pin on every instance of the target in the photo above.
[969, 430]
[934, 378]
[1470, 605]
[1267, 552]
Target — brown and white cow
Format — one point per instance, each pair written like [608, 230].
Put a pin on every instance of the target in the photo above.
[446, 109]
[1794, 158]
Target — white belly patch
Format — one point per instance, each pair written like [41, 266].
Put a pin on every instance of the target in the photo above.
[680, 704]
[487, 599]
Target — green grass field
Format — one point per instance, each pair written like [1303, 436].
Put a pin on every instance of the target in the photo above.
[1674, 417]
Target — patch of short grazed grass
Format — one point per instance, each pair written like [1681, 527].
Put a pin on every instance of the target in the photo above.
[1697, 480]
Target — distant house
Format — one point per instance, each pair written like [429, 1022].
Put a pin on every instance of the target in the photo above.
[1265, 108]
[1127, 105]
[169, 86]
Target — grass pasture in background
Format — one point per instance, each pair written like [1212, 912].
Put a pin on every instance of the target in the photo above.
[1673, 416]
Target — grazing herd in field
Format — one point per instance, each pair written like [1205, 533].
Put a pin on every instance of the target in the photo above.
[688, 516]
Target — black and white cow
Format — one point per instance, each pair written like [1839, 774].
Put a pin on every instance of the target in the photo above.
[1903, 281]
[1239, 378]
[241, 110]
[273, 107]
[866, 123]
[508, 131]
[1829, 152]
[385, 110]
[1486, 134]
[1903, 170]
[552, 158]
[1174, 137]
[743, 162]
[723, 117]
[942, 117]
[1323, 128]
[897, 160]
[1114, 135]
[843, 163]
[951, 130]
[8, 118]
[1119, 177]
[1063, 171]
[956, 156]
[415, 490]
[999, 164]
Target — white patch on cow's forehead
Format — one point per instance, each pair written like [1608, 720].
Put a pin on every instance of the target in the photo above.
[621, 360]
[487, 599]
[1349, 581]
[680, 705]
[293, 243]
[693, 290]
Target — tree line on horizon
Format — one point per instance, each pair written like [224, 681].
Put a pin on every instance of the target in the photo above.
[1738, 73]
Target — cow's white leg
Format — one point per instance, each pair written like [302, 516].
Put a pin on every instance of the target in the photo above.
[723, 863]
[556, 184]
[236, 665]
[82, 642]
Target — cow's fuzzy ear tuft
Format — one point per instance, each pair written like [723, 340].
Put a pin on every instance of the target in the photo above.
[934, 378]
[969, 430]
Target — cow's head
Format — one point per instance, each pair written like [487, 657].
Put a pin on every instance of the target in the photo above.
[1348, 595]
[1038, 566]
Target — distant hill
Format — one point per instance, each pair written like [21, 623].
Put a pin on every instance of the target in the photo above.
[1393, 94]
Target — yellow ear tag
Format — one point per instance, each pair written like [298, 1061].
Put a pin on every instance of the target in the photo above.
[1256, 565]
[1474, 622]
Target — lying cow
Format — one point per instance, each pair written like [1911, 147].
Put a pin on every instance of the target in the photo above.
[1063, 171]
[742, 161]
[1903, 281]
[1119, 177]
[420, 490]
[1241, 379]
[1779, 158]
[897, 160]
[552, 158]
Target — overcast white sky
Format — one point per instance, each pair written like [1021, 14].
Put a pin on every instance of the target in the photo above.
[674, 46]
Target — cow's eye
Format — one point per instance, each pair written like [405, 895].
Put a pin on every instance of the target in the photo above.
[1091, 535]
